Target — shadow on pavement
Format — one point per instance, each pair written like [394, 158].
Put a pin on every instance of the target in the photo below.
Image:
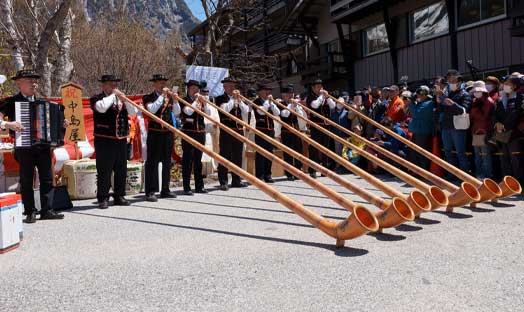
[387, 237]
[454, 215]
[342, 252]
[424, 221]
[408, 228]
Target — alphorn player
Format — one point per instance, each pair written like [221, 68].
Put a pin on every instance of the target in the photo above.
[111, 129]
[231, 148]
[159, 138]
[318, 100]
[38, 156]
[193, 125]
[289, 139]
[264, 124]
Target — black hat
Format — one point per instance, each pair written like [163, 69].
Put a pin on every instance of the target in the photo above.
[158, 77]
[228, 80]
[107, 78]
[193, 83]
[203, 84]
[317, 81]
[251, 92]
[453, 72]
[344, 94]
[263, 86]
[287, 89]
[26, 73]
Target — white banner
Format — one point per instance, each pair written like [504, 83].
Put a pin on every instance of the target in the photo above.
[213, 76]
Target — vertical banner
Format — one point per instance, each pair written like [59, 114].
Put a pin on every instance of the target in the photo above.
[72, 100]
[212, 75]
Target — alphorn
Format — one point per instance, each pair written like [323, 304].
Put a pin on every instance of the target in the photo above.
[416, 199]
[436, 196]
[392, 214]
[487, 188]
[459, 196]
[360, 222]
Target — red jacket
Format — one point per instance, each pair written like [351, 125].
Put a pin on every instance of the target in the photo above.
[480, 114]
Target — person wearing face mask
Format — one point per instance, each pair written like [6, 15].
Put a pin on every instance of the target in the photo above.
[492, 85]
[508, 124]
[421, 125]
[454, 101]
[482, 108]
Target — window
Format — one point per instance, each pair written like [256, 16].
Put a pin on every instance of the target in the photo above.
[429, 21]
[475, 11]
[375, 39]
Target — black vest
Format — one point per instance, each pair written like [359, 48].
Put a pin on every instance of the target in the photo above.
[193, 123]
[113, 123]
[291, 120]
[323, 109]
[236, 111]
[263, 122]
[164, 112]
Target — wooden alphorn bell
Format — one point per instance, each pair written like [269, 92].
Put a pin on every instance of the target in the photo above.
[458, 196]
[360, 222]
[487, 188]
[392, 214]
[417, 200]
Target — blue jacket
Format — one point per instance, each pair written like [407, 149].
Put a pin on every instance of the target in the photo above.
[342, 119]
[422, 117]
[392, 144]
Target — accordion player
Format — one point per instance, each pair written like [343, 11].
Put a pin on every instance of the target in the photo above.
[42, 123]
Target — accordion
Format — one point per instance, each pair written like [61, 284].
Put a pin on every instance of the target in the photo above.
[43, 124]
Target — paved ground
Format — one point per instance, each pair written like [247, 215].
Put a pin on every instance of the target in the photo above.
[240, 251]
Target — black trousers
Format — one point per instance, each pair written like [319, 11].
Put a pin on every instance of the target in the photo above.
[159, 149]
[426, 142]
[231, 149]
[512, 164]
[262, 164]
[111, 156]
[295, 143]
[29, 158]
[317, 156]
[192, 159]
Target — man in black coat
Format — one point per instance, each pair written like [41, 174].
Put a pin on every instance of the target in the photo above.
[38, 156]
[159, 138]
[111, 129]
[231, 148]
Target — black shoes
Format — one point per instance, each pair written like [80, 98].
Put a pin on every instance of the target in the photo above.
[313, 175]
[240, 184]
[151, 198]
[291, 178]
[121, 201]
[201, 191]
[104, 204]
[223, 187]
[168, 194]
[30, 218]
[51, 215]
[188, 193]
[269, 180]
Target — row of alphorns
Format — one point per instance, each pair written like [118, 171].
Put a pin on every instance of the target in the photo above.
[401, 208]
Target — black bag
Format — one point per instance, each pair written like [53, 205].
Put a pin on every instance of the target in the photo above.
[61, 199]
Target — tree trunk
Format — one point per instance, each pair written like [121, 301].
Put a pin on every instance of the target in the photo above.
[6, 15]
[42, 66]
[64, 66]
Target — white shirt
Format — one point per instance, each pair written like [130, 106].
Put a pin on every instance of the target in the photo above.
[266, 106]
[300, 111]
[228, 106]
[189, 110]
[320, 100]
[104, 104]
[155, 106]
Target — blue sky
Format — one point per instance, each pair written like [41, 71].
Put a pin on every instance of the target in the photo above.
[196, 8]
